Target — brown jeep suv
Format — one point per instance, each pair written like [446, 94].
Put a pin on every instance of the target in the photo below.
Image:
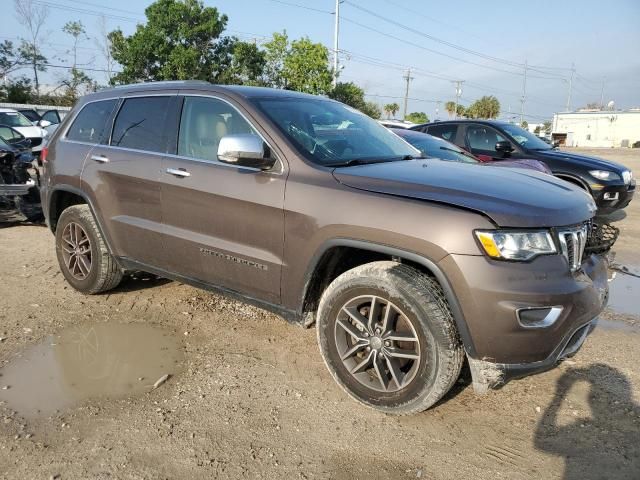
[313, 210]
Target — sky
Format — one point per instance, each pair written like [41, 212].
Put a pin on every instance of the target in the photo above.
[485, 44]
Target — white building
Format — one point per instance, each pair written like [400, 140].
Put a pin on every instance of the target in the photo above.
[597, 128]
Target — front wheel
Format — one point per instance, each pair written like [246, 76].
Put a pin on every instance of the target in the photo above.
[388, 338]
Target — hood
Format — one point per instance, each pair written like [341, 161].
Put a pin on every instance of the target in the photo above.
[510, 197]
[30, 132]
[593, 163]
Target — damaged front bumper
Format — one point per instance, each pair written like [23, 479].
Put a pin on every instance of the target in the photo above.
[486, 374]
[17, 189]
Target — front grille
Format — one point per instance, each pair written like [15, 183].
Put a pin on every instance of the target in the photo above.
[572, 244]
[35, 141]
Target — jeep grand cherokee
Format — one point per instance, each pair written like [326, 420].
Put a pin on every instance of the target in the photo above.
[313, 210]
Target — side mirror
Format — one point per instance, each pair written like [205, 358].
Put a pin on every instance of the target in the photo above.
[504, 147]
[245, 150]
[44, 123]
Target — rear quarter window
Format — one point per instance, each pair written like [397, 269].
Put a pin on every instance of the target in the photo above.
[90, 124]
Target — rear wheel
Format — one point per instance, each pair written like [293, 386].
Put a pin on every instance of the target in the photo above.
[82, 254]
[388, 338]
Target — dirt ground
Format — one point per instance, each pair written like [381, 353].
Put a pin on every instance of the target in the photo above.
[251, 397]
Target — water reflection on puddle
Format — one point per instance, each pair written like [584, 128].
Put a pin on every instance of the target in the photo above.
[624, 294]
[90, 361]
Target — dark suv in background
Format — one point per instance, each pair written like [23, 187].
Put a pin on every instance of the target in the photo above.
[315, 211]
[610, 184]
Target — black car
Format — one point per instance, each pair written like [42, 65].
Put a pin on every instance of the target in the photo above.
[611, 184]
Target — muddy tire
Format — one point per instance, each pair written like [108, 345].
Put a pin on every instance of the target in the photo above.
[82, 254]
[388, 338]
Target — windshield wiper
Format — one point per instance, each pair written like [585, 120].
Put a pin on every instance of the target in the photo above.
[365, 161]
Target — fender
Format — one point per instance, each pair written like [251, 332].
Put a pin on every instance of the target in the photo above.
[429, 264]
[573, 179]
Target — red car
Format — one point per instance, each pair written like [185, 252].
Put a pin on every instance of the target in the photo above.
[434, 147]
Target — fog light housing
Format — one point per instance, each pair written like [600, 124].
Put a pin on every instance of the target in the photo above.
[611, 195]
[538, 317]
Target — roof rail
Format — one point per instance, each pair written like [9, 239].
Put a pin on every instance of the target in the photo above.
[183, 83]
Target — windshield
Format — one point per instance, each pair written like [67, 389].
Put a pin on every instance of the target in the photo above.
[525, 138]
[332, 134]
[432, 147]
[14, 119]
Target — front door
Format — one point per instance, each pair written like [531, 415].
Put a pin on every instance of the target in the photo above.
[481, 141]
[223, 225]
[123, 177]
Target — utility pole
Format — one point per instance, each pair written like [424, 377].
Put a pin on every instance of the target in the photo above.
[336, 31]
[524, 93]
[602, 94]
[458, 95]
[407, 78]
[573, 71]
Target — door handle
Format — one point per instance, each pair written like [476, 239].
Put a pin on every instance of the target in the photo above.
[178, 172]
[99, 158]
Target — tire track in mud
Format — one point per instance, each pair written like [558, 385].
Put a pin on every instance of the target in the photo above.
[504, 455]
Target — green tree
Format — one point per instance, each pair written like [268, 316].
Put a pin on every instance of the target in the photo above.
[537, 130]
[180, 41]
[351, 94]
[348, 93]
[306, 67]
[78, 32]
[32, 16]
[371, 109]
[547, 127]
[524, 124]
[246, 65]
[450, 107]
[276, 50]
[11, 58]
[390, 109]
[417, 117]
[17, 91]
[77, 82]
[485, 107]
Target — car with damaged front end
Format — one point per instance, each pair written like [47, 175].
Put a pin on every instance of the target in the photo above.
[307, 207]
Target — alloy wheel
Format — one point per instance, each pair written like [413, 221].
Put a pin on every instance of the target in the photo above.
[377, 343]
[76, 250]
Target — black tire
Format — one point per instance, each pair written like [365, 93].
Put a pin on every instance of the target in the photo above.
[420, 302]
[104, 273]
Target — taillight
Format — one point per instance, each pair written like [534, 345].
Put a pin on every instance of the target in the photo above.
[43, 154]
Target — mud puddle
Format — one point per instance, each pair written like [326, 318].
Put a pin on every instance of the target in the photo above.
[102, 360]
[624, 294]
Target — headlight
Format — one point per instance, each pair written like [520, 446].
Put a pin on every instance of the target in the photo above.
[627, 175]
[508, 245]
[604, 175]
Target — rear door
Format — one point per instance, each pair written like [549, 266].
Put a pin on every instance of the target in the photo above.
[224, 225]
[123, 175]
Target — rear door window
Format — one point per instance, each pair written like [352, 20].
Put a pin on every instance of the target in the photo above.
[140, 124]
[447, 132]
[89, 125]
[51, 116]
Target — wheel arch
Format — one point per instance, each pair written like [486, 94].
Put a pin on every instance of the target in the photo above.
[64, 196]
[329, 262]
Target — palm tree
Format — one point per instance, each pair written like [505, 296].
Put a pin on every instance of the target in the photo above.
[450, 107]
[394, 108]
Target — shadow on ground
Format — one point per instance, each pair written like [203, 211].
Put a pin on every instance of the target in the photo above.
[604, 446]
